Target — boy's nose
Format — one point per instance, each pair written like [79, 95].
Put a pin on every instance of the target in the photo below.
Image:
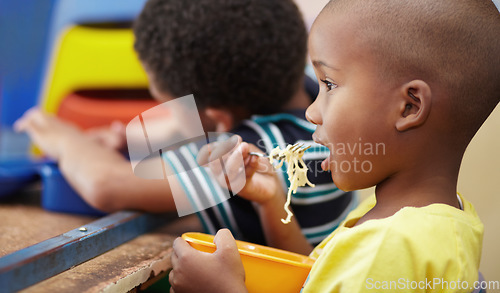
[312, 114]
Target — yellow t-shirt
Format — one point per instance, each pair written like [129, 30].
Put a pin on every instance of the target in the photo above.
[436, 248]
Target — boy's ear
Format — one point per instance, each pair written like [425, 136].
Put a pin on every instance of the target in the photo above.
[416, 102]
[223, 119]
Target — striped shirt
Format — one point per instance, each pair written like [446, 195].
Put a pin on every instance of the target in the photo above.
[318, 210]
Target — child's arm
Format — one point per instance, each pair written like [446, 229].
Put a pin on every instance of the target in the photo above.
[112, 136]
[261, 185]
[195, 271]
[102, 176]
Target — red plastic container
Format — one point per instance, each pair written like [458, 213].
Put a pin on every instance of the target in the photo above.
[92, 108]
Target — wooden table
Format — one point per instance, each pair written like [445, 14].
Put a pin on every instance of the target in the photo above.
[132, 266]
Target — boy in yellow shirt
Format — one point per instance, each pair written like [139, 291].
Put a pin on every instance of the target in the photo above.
[419, 77]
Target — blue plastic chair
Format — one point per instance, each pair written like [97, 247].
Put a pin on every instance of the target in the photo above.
[28, 32]
[70, 12]
[23, 33]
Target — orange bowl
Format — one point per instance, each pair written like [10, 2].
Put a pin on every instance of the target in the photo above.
[267, 269]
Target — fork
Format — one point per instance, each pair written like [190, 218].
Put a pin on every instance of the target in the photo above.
[299, 147]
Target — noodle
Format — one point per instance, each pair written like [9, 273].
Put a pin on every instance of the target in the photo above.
[296, 170]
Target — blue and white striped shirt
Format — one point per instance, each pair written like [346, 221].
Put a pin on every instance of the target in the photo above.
[318, 210]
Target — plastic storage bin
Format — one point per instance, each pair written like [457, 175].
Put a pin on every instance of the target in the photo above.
[58, 196]
[98, 56]
[92, 108]
[16, 174]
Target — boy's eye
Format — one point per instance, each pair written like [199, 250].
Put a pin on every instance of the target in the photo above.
[330, 85]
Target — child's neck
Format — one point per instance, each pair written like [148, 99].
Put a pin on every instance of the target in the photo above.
[415, 189]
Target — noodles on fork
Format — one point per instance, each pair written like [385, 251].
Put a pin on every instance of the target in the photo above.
[296, 170]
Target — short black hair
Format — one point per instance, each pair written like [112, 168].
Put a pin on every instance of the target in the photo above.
[246, 54]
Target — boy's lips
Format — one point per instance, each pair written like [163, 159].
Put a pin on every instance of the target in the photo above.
[317, 139]
[325, 164]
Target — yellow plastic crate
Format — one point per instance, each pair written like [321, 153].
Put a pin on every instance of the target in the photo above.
[92, 57]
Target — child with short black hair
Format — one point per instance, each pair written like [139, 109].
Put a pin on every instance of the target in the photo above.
[240, 58]
[420, 77]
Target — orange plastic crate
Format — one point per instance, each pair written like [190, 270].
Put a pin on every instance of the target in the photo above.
[92, 108]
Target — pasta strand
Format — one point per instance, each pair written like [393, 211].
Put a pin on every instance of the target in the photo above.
[296, 171]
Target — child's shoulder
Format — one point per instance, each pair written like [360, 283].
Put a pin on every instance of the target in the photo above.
[427, 231]
[436, 241]
[421, 232]
[437, 220]
[436, 223]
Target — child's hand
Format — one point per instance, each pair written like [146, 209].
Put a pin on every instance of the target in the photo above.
[252, 177]
[112, 136]
[255, 180]
[196, 271]
[48, 132]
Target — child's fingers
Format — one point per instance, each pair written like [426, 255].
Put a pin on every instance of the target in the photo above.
[227, 254]
[20, 125]
[204, 153]
[258, 164]
[216, 150]
[226, 245]
[224, 148]
[237, 168]
[107, 137]
[173, 258]
[27, 124]
[171, 277]
[117, 126]
[212, 162]
[240, 165]
[37, 117]
[28, 113]
[234, 161]
[224, 240]
[25, 121]
[180, 248]
[216, 154]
